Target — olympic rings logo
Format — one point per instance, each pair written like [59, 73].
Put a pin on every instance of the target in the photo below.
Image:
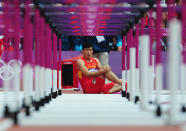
[7, 71]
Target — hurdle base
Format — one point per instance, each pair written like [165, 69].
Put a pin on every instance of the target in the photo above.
[34, 103]
[27, 108]
[37, 105]
[23, 104]
[50, 97]
[14, 116]
[59, 92]
[42, 103]
[54, 94]
[123, 93]
[128, 96]
[6, 111]
[136, 99]
[183, 109]
[47, 99]
[32, 99]
[158, 111]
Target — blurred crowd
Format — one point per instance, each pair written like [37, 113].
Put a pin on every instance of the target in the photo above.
[115, 42]
[112, 43]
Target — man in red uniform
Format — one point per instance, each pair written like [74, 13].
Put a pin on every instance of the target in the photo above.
[92, 75]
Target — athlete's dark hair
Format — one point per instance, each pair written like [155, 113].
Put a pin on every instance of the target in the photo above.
[86, 45]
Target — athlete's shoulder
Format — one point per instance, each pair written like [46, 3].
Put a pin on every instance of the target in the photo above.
[95, 59]
[80, 61]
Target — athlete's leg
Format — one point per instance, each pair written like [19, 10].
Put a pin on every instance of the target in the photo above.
[112, 77]
[115, 88]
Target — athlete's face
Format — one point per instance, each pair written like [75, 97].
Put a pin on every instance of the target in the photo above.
[87, 52]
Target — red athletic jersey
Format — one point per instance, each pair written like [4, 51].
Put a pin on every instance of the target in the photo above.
[93, 85]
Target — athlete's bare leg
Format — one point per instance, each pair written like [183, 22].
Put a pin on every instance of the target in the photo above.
[115, 88]
[112, 77]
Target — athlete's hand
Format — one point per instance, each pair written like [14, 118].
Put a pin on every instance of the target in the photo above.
[102, 69]
[107, 68]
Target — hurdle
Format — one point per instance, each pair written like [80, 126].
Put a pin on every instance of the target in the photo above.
[32, 93]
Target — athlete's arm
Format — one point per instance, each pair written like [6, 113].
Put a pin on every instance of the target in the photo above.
[99, 66]
[81, 66]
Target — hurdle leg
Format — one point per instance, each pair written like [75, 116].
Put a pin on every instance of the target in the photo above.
[132, 73]
[137, 86]
[173, 66]
[123, 84]
[144, 62]
[26, 85]
[183, 84]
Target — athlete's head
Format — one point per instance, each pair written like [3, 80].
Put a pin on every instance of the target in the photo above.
[86, 45]
[87, 50]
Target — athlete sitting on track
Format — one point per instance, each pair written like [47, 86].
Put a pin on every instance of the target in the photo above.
[92, 75]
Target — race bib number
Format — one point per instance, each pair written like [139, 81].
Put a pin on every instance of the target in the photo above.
[93, 70]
